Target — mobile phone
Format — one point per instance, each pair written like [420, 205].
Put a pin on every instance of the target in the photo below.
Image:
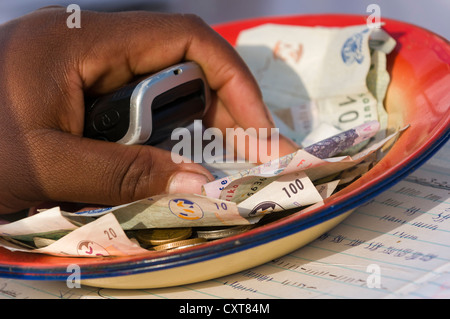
[149, 109]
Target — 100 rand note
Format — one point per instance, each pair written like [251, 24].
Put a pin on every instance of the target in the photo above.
[290, 186]
[317, 88]
[310, 156]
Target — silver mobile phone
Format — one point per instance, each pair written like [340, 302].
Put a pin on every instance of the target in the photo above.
[148, 110]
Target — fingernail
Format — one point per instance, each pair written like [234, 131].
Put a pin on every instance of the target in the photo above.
[186, 182]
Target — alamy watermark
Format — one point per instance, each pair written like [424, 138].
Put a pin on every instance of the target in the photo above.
[373, 20]
[374, 279]
[74, 279]
[74, 19]
[201, 145]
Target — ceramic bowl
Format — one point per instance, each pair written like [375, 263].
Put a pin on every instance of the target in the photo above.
[419, 95]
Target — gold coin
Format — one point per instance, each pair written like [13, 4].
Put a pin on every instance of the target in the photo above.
[161, 236]
[180, 244]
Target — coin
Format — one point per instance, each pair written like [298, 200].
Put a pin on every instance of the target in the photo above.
[161, 236]
[180, 244]
[222, 232]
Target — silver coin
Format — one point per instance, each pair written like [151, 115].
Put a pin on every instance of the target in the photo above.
[222, 232]
[180, 243]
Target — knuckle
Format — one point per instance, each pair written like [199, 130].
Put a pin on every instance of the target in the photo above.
[130, 176]
[194, 19]
[194, 24]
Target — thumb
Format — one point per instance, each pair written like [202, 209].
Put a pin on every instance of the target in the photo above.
[76, 169]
